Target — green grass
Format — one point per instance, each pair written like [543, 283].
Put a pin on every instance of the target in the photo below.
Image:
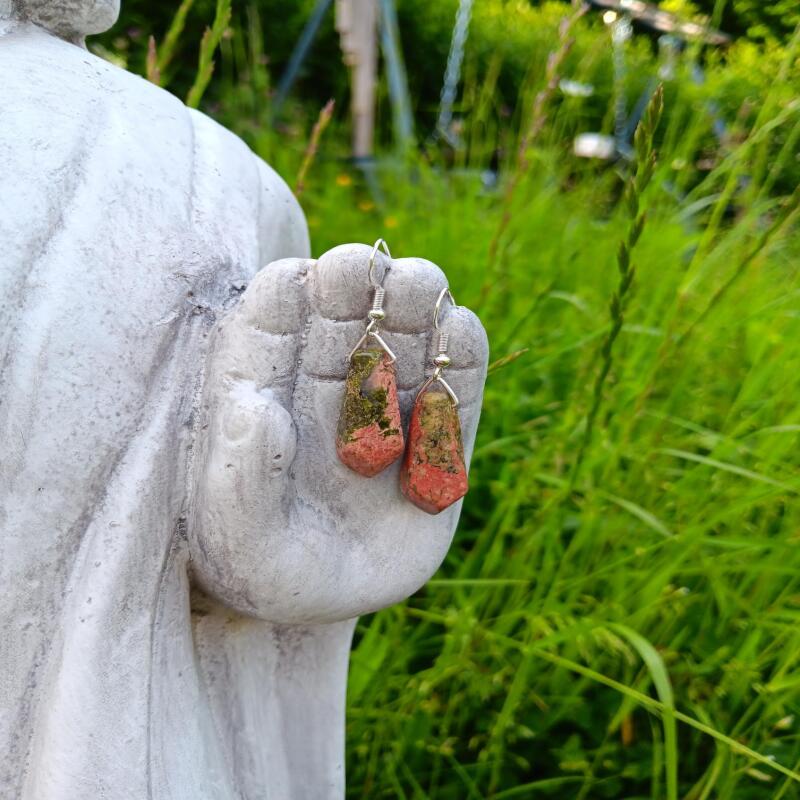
[626, 626]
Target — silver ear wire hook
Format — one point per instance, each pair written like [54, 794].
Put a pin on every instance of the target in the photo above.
[376, 313]
[438, 307]
[442, 360]
[379, 244]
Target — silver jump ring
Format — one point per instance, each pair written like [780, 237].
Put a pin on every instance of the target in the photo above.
[444, 293]
[380, 244]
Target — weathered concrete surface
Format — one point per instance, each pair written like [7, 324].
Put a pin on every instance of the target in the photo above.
[181, 554]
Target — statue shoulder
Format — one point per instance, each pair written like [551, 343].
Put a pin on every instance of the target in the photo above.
[247, 178]
[69, 113]
[69, 95]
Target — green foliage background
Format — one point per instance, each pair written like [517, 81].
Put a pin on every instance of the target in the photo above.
[510, 28]
[618, 616]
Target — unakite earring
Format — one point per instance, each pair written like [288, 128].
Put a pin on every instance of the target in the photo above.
[369, 436]
[434, 474]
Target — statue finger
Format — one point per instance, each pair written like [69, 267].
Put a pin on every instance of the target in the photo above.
[341, 288]
[260, 341]
[241, 490]
[411, 285]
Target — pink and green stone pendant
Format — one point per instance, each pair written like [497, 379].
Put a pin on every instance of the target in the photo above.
[369, 436]
[434, 475]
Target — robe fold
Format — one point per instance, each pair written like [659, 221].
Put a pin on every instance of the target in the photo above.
[128, 224]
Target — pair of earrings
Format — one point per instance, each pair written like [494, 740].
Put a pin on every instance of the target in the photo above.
[369, 436]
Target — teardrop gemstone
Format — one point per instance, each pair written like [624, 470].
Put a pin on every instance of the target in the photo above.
[369, 435]
[434, 475]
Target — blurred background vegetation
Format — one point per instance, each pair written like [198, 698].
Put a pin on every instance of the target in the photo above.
[619, 615]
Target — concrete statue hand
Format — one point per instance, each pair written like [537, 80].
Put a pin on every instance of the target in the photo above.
[181, 552]
[282, 530]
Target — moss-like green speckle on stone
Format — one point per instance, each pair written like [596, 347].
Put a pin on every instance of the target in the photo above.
[436, 419]
[434, 475]
[365, 400]
[369, 436]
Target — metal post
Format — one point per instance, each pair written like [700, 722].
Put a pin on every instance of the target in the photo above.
[452, 74]
[396, 75]
[299, 54]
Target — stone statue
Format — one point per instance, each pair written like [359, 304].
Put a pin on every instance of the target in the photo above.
[182, 556]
